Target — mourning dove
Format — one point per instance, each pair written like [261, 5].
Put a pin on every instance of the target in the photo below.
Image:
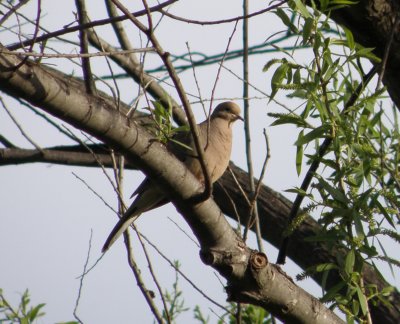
[216, 139]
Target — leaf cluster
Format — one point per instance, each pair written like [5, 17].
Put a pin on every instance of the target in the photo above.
[356, 189]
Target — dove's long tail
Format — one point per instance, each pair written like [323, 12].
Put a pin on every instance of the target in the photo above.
[149, 197]
[119, 228]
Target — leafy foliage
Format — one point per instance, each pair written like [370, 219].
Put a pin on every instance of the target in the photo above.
[250, 314]
[23, 313]
[174, 300]
[161, 126]
[357, 187]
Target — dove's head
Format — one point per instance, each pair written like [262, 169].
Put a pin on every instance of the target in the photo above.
[227, 110]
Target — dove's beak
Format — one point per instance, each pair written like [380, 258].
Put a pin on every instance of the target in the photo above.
[239, 117]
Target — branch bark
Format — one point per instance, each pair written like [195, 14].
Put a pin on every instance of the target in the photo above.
[250, 277]
[372, 22]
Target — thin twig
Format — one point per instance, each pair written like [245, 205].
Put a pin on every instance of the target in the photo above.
[35, 33]
[84, 48]
[253, 213]
[76, 55]
[12, 10]
[47, 119]
[258, 90]
[216, 81]
[223, 21]
[92, 24]
[184, 232]
[238, 315]
[259, 184]
[81, 278]
[118, 169]
[183, 275]
[99, 163]
[19, 126]
[95, 192]
[148, 294]
[239, 186]
[264, 168]
[196, 81]
[118, 175]
[118, 27]
[125, 44]
[233, 204]
[221, 63]
[153, 275]
[134, 69]
[6, 142]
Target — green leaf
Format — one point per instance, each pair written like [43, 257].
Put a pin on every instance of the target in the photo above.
[330, 294]
[335, 193]
[307, 28]
[159, 109]
[349, 262]
[355, 307]
[316, 133]
[34, 312]
[297, 76]
[324, 5]
[326, 266]
[302, 8]
[367, 52]
[277, 78]
[349, 37]
[286, 20]
[282, 119]
[363, 301]
[384, 213]
[358, 225]
[387, 291]
[183, 128]
[297, 191]
[299, 154]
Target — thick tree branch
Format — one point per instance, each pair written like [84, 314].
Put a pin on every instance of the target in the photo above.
[250, 276]
[371, 22]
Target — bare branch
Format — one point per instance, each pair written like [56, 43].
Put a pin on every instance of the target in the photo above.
[134, 69]
[223, 21]
[249, 159]
[81, 55]
[19, 126]
[182, 274]
[95, 23]
[148, 294]
[84, 47]
[81, 278]
[12, 10]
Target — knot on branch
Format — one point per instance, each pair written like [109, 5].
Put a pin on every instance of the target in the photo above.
[227, 263]
[254, 278]
[258, 260]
